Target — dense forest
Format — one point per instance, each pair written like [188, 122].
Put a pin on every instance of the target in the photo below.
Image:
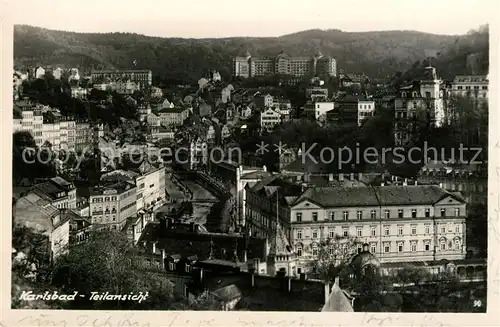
[377, 54]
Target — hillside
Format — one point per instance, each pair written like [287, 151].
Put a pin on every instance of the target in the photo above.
[378, 54]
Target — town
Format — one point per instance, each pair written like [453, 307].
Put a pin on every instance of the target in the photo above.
[220, 195]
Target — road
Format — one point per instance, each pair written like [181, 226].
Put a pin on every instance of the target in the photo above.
[200, 209]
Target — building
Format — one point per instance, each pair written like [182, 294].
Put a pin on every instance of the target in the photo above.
[172, 117]
[400, 223]
[248, 66]
[34, 212]
[30, 120]
[263, 101]
[79, 92]
[366, 110]
[317, 110]
[149, 180]
[112, 203]
[270, 119]
[58, 192]
[351, 110]
[57, 73]
[39, 72]
[144, 77]
[470, 86]
[226, 93]
[83, 141]
[316, 94]
[424, 99]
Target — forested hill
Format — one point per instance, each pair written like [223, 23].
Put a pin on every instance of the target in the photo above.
[377, 54]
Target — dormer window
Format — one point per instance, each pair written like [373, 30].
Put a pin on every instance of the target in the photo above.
[414, 94]
[403, 94]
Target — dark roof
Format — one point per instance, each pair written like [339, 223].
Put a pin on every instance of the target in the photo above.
[120, 187]
[412, 194]
[53, 189]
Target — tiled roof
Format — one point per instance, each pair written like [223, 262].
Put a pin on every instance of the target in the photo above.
[413, 194]
[340, 196]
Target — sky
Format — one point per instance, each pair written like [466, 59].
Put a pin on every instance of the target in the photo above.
[224, 18]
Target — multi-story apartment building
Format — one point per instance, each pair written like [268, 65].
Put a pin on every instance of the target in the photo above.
[144, 77]
[83, 132]
[318, 109]
[112, 203]
[424, 99]
[316, 93]
[270, 119]
[351, 110]
[30, 120]
[173, 117]
[283, 64]
[475, 86]
[400, 223]
[59, 192]
[149, 180]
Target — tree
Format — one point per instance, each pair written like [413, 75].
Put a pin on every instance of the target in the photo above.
[106, 262]
[334, 254]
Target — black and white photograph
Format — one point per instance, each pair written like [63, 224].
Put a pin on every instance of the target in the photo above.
[319, 156]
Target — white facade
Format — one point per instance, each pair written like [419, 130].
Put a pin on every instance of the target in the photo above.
[269, 119]
[151, 189]
[321, 108]
[366, 109]
[470, 85]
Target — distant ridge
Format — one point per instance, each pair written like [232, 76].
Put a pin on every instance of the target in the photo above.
[377, 54]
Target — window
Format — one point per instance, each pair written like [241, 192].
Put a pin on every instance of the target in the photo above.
[443, 246]
[427, 246]
[400, 213]
[427, 94]
[315, 233]
[459, 87]
[427, 213]
[414, 213]
[373, 247]
[414, 230]
[299, 234]
[387, 247]
[332, 215]
[315, 249]
[359, 231]
[427, 229]
[345, 214]
[413, 247]
[387, 214]
[332, 233]
[315, 216]
[457, 228]
[484, 87]
[331, 250]
[299, 250]
[298, 216]
[386, 230]
[345, 232]
[373, 231]
[450, 228]
[359, 215]
[400, 246]
[457, 212]
[443, 212]
[400, 230]
[457, 244]
[443, 229]
[373, 214]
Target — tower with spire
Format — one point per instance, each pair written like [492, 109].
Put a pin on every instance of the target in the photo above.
[281, 256]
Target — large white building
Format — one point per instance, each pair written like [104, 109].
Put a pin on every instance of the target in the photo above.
[270, 119]
[470, 86]
[400, 223]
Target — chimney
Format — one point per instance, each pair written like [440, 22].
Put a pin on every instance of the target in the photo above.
[352, 177]
[330, 177]
[341, 177]
[154, 247]
[327, 291]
